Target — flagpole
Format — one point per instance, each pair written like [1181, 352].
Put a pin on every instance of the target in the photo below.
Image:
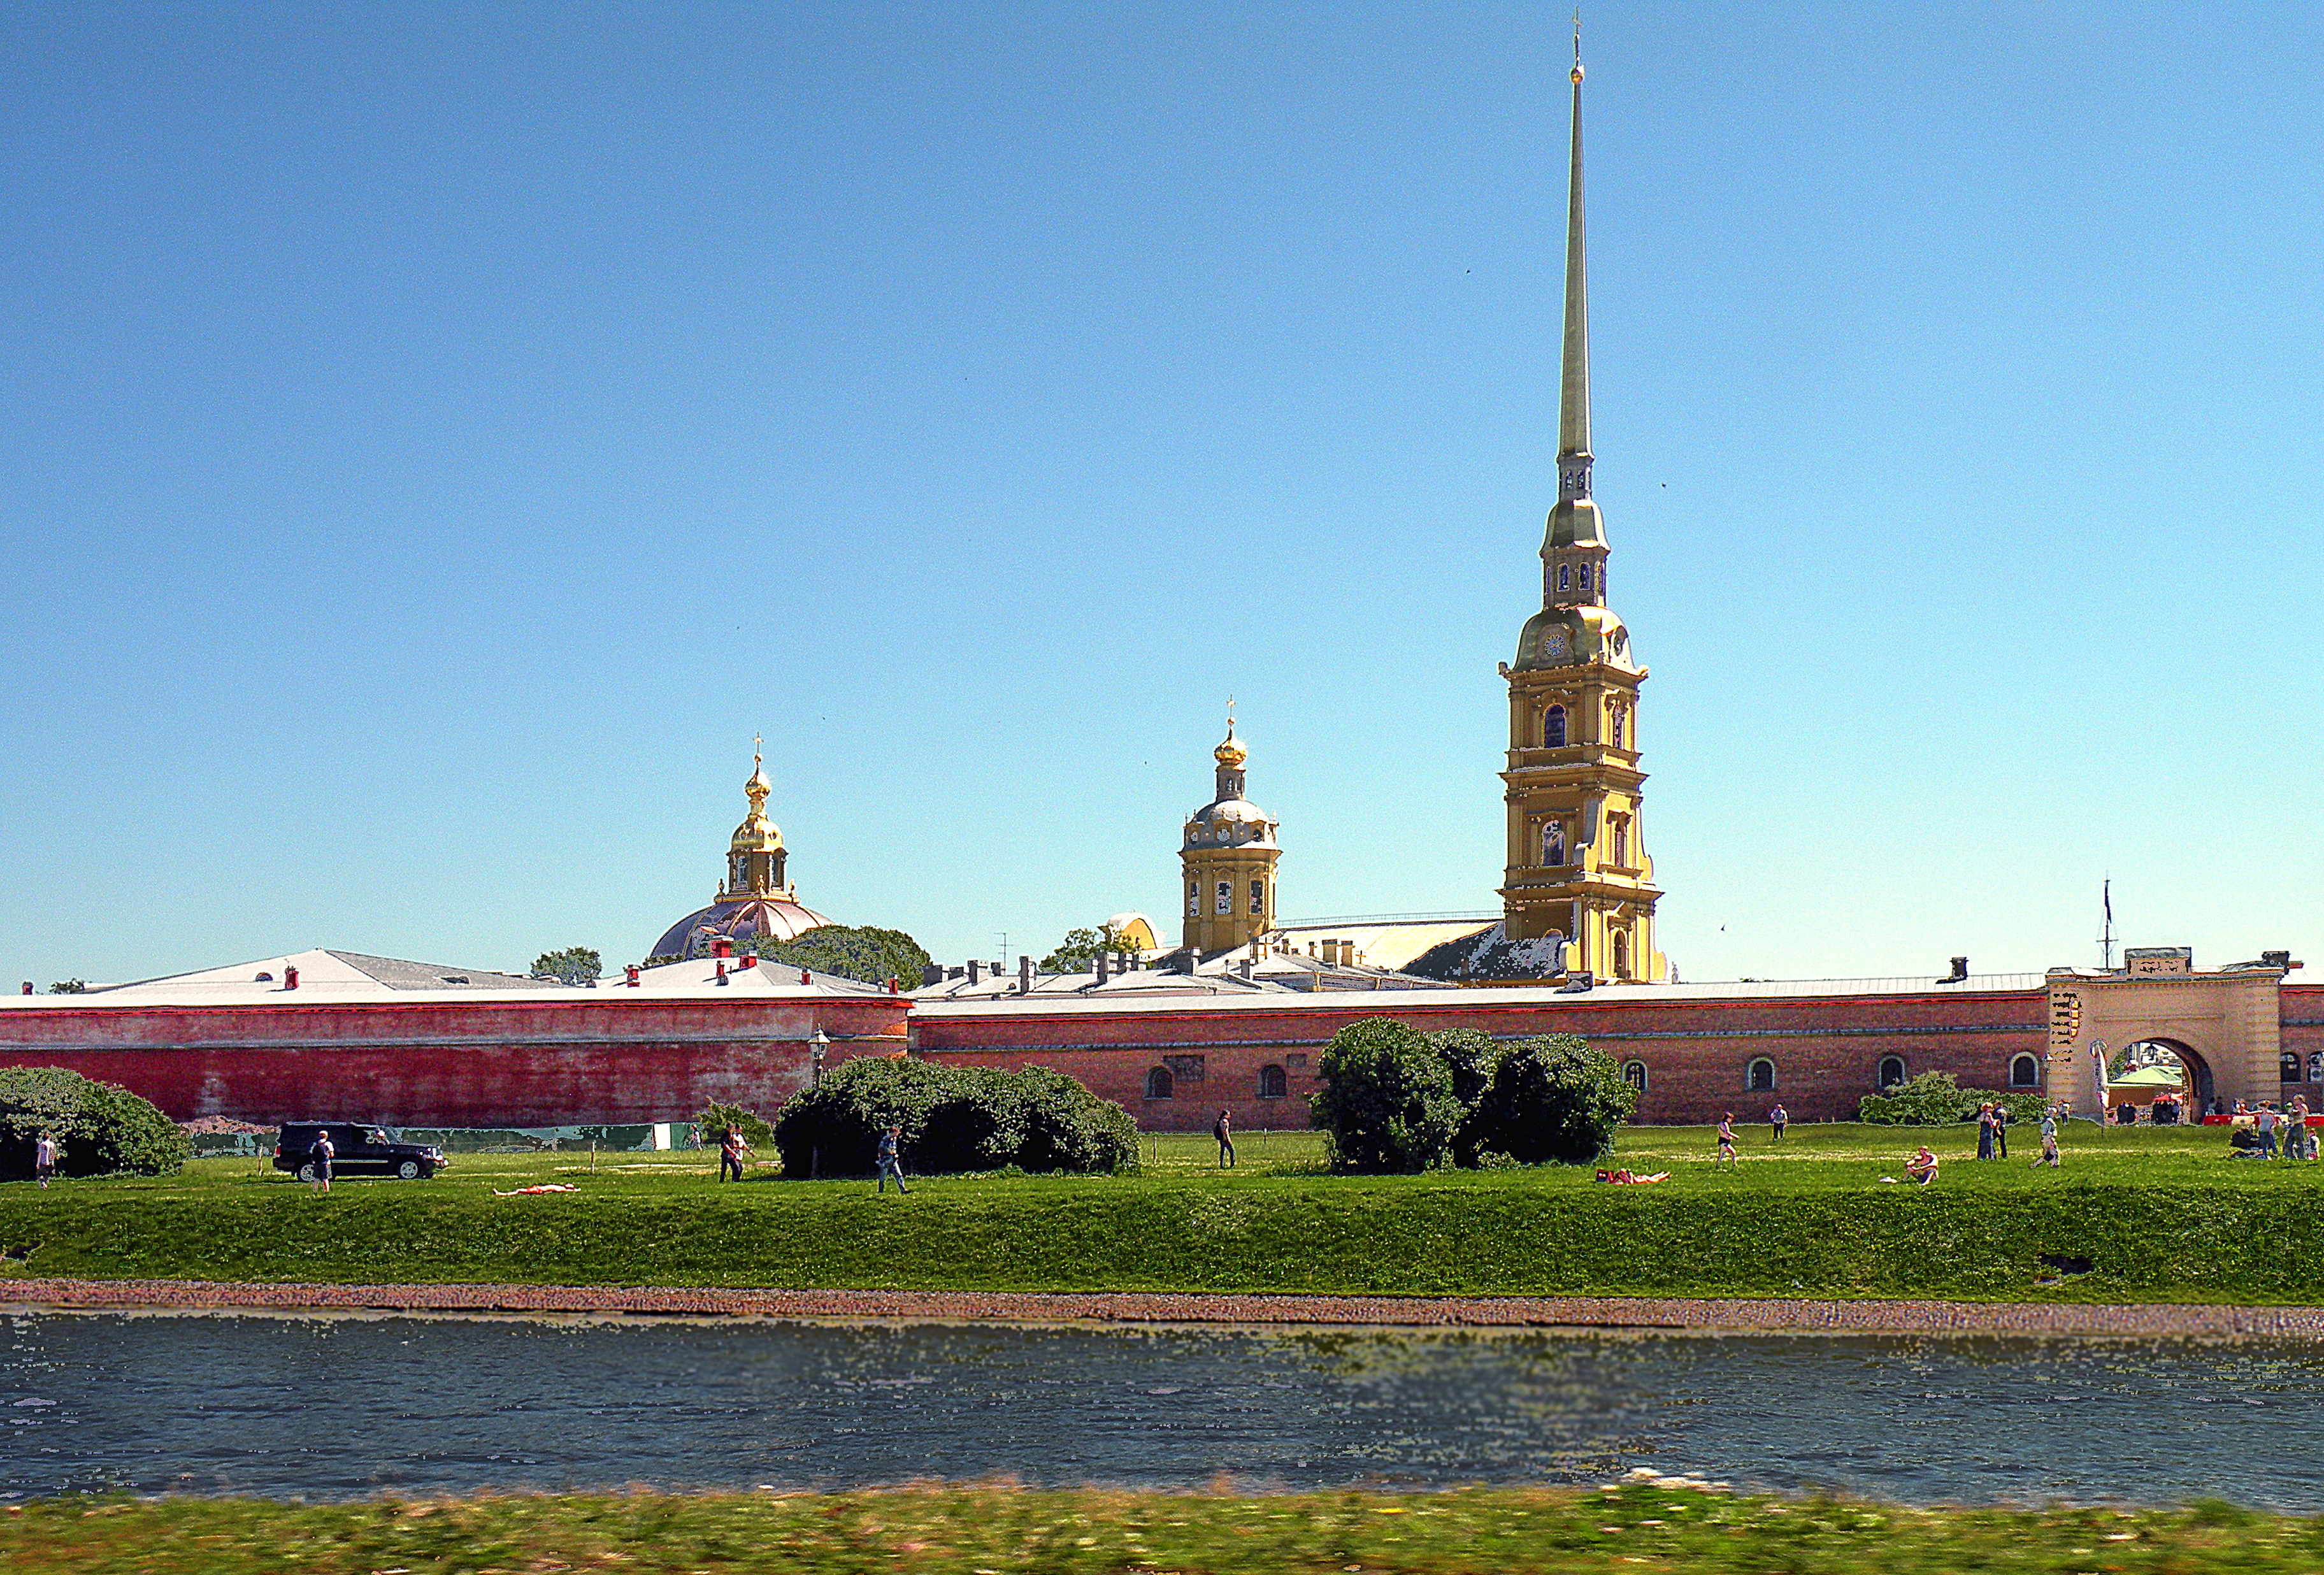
[2105, 940]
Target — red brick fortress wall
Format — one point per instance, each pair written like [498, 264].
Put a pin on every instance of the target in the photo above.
[452, 1062]
[1827, 1049]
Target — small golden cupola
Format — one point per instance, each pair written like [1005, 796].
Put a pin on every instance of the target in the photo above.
[754, 857]
[1227, 858]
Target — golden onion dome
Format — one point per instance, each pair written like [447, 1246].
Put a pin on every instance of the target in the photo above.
[1230, 751]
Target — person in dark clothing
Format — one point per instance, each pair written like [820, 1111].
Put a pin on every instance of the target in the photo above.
[2000, 1130]
[730, 1149]
[320, 1156]
[1225, 1133]
[1985, 1131]
[891, 1159]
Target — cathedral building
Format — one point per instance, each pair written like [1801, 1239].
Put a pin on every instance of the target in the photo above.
[753, 900]
[1578, 876]
[1228, 856]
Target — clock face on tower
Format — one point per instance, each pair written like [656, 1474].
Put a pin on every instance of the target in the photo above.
[1554, 646]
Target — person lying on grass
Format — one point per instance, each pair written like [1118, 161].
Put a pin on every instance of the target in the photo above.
[1623, 1178]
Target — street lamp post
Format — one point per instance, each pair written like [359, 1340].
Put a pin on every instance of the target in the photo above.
[818, 1046]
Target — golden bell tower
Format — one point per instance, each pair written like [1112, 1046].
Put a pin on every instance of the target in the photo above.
[1227, 858]
[754, 855]
[1578, 868]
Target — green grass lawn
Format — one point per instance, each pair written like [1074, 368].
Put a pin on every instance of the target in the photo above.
[2161, 1217]
[1000, 1531]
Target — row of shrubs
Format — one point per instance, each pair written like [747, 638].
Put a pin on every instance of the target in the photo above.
[1934, 1099]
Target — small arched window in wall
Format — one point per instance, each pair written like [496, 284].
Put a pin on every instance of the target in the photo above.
[1272, 1083]
[1621, 956]
[1620, 728]
[1585, 576]
[2287, 1067]
[1552, 845]
[1892, 1071]
[1553, 728]
[1759, 1077]
[1157, 1083]
[1622, 843]
[1634, 1072]
[2025, 1071]
[1564, 577]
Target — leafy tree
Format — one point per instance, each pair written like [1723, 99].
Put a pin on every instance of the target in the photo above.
[573, 964]
[69, 987]
[1388, 1101]
[1549, 1099]
[101, 1129]
[953, 1119]
[864, 952]
[1078, 951]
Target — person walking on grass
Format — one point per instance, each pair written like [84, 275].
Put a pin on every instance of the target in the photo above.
[2049, 1154]
[1777, 1120]
[1725, 1139]
[730, 1149]
[319, 1157]
[2000, 1129]
[1985, 1131]
[891, 1162]
[44, 1158]
[1224, 1132]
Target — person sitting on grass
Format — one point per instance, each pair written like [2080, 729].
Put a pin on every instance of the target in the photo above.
[1922, 1166]
[1725, 1139]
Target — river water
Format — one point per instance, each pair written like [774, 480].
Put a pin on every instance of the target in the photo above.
[333, 1407]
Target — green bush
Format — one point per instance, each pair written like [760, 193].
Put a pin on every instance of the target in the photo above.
[717, 1120]
[1389, 1101]
[1551, 1099]
[101, 1129]
[1395, 1099]
[953, 1119]
[1934, 1099]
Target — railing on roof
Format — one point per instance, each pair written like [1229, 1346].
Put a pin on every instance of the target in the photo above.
[1390, 918]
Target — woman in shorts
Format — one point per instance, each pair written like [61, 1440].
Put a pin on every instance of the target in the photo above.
[1725, 1139]
[319, 1156]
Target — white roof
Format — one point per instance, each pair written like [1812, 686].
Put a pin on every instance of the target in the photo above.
[326, 977]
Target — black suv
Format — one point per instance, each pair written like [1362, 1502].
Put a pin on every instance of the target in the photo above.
[361, 1151]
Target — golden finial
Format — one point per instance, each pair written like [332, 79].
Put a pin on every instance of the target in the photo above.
[1230, 751]
[1577, 46]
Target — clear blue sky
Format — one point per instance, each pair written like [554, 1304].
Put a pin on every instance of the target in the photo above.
[434, 440]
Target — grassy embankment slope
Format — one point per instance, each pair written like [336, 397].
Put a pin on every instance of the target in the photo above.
[2161, 1216]
[997, 1532]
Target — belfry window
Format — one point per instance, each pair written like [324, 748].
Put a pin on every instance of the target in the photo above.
[1552, 845]
[1621, 956]
[1258, 896]
[1892, 1071]
[1564, 577]
[1193, 899]
[1621, 727]
[1585, 576]
[1553, 728]
[1226, 898]
[1759, 1077]
[1622, 844]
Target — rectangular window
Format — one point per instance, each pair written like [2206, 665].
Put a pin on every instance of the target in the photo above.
[1226, 897]
[1193, 899]
[1258, 896]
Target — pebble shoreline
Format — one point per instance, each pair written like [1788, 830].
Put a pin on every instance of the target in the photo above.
[1739, 1315]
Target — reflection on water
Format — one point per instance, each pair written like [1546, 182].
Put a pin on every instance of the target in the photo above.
[335, 1407]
